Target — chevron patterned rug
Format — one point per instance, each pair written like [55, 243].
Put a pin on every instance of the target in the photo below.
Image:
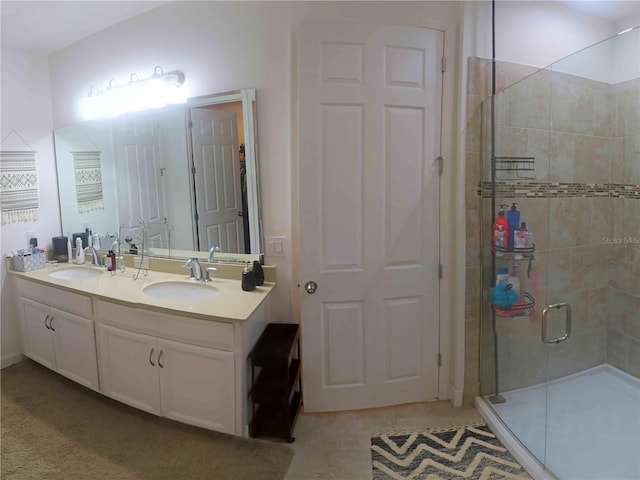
[460, 452]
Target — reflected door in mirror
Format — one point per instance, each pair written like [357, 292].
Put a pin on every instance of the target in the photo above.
[141, 190]
[217, 182]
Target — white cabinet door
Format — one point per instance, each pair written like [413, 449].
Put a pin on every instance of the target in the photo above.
[197, 385]
[75, 348]
[128, 368]
[37, 336]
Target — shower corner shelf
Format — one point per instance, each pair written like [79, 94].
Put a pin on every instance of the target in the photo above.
[523, 308]
[505, 254]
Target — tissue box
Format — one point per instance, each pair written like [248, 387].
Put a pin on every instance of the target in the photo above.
[29, 263]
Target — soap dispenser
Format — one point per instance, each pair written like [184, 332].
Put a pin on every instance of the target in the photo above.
[248, 278]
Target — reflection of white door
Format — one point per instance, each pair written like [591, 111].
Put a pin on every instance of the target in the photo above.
[217, 179]
[369, 112]
[141, 188]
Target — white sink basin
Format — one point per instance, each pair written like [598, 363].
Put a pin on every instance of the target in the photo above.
[181, 290]
[76, 273]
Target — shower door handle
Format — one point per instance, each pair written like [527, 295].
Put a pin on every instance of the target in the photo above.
[567, 323]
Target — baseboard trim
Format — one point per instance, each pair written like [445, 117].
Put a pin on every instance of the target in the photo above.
[11, 359]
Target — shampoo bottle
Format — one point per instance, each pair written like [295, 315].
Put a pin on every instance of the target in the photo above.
[520, 238]
[248, 279]
[79, 251]
[513, 221]
[499, 235]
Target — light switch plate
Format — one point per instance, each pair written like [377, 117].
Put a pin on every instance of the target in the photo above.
[276, 246]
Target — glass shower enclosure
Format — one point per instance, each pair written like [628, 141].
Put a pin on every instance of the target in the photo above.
[560, 331]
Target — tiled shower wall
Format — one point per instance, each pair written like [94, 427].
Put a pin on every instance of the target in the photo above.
[584, 165]
[623, 327]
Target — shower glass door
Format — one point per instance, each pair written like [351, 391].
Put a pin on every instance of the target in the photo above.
[515, 176]
[594, 159]
[563, 144]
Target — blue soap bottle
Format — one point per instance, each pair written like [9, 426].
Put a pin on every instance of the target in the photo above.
[513, 220]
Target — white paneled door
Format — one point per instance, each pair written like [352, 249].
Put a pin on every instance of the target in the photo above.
[369, 111]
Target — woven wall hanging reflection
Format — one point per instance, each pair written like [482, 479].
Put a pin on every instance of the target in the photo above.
[88, 175]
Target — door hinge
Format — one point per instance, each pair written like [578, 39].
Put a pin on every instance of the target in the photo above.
[440, 271]
[440, 162]
[439, 359]
[190, 124]
[444, 64]
[162, 171]
[196, 217]
[193, 169]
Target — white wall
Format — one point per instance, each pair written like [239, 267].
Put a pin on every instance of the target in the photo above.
[26, 108]
[535, 33]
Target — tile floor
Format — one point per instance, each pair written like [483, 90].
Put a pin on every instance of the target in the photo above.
[336, 446]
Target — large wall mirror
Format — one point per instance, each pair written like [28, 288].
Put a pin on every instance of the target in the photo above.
[185, 174]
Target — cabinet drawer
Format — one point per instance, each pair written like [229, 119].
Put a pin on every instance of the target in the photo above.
[185, 329]
[56, 297]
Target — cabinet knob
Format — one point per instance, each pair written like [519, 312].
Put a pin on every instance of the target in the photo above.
[151, 355]
[46, 319]
[160, 364]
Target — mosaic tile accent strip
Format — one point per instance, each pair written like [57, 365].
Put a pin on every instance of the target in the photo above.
[559, 190]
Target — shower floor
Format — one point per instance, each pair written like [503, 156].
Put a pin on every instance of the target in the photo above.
[592, 420]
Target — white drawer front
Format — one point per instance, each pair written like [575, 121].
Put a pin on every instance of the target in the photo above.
[185, 329]
[56, 297]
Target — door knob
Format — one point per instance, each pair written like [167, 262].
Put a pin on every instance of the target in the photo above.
[240, 213]
[311, 287]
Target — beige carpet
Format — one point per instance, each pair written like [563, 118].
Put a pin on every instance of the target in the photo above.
[54, 429]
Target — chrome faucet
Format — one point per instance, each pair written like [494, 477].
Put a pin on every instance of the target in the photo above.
[196, 271]
[212, 252]
[95, 258]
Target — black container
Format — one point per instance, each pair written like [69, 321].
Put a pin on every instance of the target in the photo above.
[60, 249]
[258, 272]
[83, 236]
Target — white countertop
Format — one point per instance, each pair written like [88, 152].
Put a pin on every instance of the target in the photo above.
[231, 304]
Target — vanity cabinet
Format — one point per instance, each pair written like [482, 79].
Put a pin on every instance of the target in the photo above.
[187, 383]
[188, 366]
[61, 341]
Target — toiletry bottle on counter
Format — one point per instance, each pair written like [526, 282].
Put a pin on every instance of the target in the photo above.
[258, 272]
[111, 264]
[500, 230]
[248, 279]
[79, 251]
[69, 250]
[513, 221]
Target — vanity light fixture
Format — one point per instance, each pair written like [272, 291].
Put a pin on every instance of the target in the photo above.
[137, 94]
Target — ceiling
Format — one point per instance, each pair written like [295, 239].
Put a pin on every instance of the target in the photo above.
[49, 25]
[46, 26]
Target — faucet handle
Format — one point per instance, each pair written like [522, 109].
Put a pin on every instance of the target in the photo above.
[206, 277]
